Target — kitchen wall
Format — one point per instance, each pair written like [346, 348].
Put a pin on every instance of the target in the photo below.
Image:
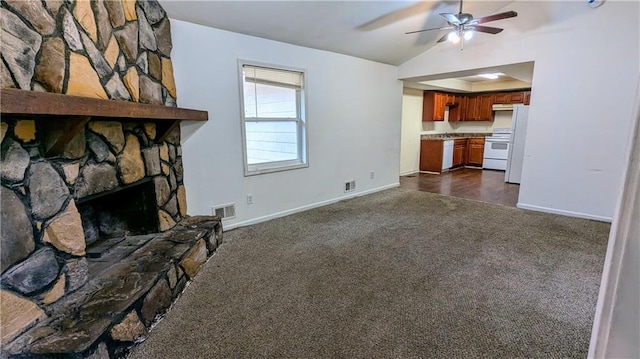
[501, 119]
[413, 127]
[353, 110]
[581, 106]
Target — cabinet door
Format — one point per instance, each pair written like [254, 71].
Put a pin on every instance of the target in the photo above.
[456, 108]
[431, 155]
[501, 98]
[475, 150]
[458, 156]
[441, 104]
[527, 98]
[516, 97]
[459, 152]
[471, 113]
[433, 105]
[485, 110]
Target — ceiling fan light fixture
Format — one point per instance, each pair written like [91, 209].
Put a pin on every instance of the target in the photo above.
[453, 37]
[468, 34]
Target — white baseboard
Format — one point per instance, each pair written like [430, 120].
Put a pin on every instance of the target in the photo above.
[306, 207]
[564, 213]
[406, 173]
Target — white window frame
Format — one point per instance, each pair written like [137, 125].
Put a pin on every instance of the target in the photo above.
[303, 143]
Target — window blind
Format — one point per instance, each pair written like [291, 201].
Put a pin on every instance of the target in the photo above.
[271, 76]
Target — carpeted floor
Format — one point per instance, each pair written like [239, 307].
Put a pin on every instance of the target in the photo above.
[395, 274]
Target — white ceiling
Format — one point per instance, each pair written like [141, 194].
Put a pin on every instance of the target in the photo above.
[373, 30]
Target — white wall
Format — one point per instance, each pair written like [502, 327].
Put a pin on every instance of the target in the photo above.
[581, 105]
[616, 328]
[354, 111]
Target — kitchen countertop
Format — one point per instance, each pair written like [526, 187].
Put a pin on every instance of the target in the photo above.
[453, 136]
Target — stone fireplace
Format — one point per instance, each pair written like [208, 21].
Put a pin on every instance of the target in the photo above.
[96, 241]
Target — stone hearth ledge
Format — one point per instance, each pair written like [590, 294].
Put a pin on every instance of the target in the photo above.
[115, 309]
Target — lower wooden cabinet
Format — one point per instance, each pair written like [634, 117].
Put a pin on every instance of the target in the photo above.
[431, 155]
[466, 151]
[459, 151]
[475, 151]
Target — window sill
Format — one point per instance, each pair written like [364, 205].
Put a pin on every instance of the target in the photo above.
[273, 168]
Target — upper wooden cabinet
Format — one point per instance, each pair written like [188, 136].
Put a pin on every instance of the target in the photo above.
[433, 106]
[485, 108]
[501, 98]
[477, 108]
[508, 98]
[471, 107]
[516, 97]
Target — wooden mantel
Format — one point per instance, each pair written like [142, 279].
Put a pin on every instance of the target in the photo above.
[73, 112]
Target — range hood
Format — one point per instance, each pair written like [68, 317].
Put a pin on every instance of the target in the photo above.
[502, 107]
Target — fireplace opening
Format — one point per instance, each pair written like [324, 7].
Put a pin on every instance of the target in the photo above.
[126, 210]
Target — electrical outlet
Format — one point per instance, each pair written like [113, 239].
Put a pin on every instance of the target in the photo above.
[249, 199]
[372, 175]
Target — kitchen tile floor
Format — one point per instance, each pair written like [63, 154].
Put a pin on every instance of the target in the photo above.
[480, 185]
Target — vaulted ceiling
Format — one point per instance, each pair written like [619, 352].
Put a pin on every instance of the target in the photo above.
[373, 30]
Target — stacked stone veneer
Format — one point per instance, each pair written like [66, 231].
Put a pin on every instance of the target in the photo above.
[115, 49]
[43, 241]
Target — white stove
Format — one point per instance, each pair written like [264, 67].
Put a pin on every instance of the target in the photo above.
[496, 149]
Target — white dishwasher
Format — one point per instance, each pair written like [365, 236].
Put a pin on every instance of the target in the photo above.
[447, 154]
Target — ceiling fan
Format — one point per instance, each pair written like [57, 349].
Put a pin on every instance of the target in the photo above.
[463, 25]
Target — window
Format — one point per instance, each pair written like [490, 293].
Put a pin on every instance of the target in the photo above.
[273, 119]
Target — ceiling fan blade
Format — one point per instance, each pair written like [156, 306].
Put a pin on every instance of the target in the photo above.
[494, 17]
[487, 29]
[451, 18]
[433, 28]
[443, 38]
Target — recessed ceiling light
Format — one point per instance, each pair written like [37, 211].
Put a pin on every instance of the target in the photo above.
[492, 76]
[489, 76]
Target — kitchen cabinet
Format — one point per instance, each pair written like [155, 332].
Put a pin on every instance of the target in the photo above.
[433, 106]
[436, 155]
[478, 108]
[485, 108]
[510, 98]
[431, 152]
[527, 98]
[459, 152]
[457, 111]
[501, 98]
[471, 109]
[475, 151]
[516, 97]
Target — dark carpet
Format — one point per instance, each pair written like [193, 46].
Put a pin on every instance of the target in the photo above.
[395, 274]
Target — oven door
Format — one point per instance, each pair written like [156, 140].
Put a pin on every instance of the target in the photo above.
[496, 148]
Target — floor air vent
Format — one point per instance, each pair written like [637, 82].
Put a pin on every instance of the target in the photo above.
[350, 186]
[225, 211]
